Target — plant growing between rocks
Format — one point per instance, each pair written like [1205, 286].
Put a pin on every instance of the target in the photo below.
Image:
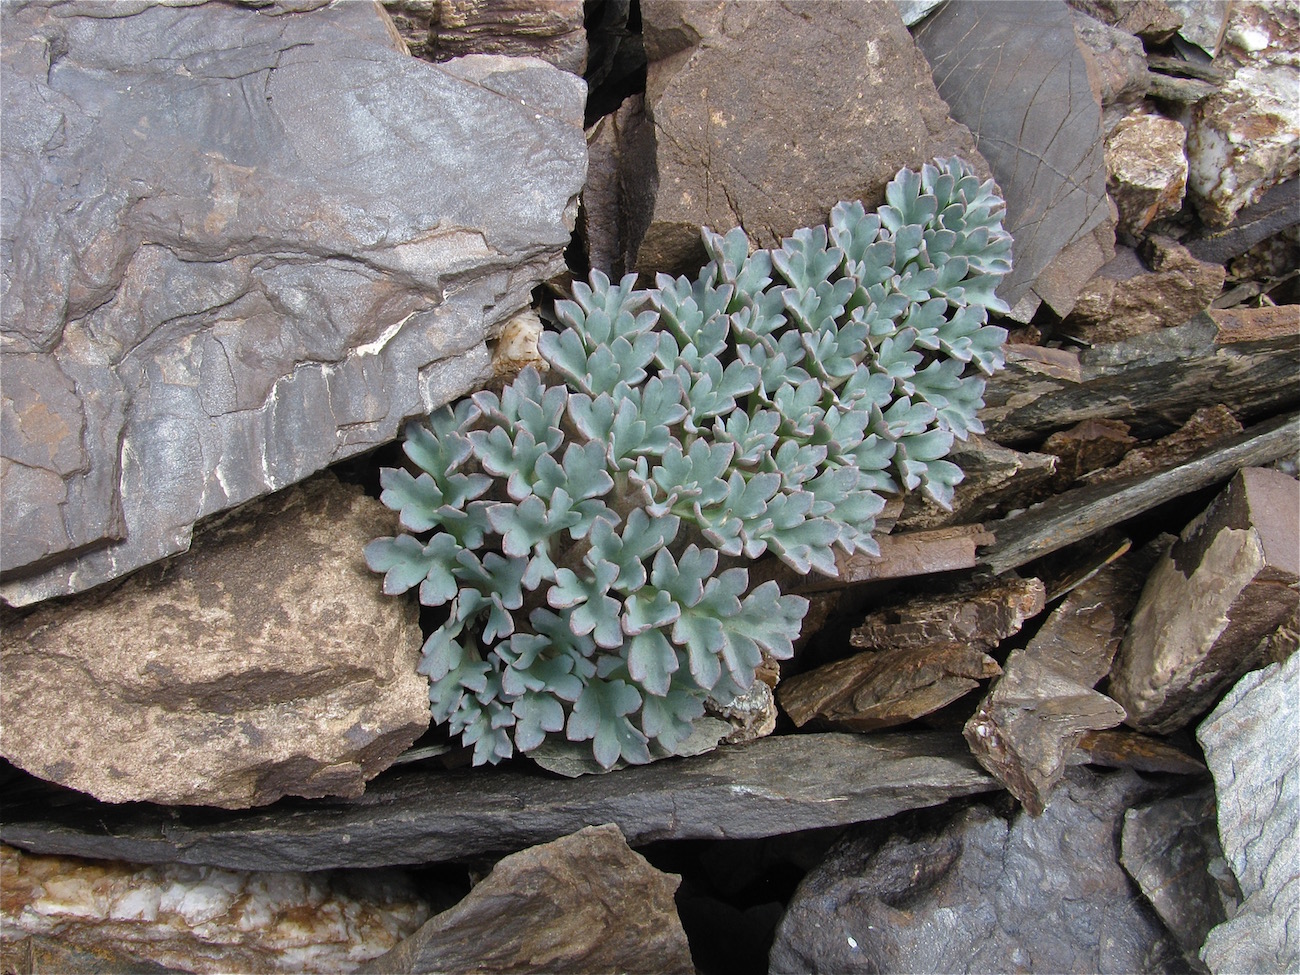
[587, 540]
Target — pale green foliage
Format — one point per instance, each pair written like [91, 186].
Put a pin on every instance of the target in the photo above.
[588, 538]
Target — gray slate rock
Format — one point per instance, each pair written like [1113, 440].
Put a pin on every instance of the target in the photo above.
[582, 903]
[264, 662]
[239, 245]
[980, 893]
[763, 788]
[1014, 74]
[1250, 747]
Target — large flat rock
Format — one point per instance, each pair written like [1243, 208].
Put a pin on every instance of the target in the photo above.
[763, 788]
[240, 244]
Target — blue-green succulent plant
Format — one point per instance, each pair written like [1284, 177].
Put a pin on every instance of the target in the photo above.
[586, 535]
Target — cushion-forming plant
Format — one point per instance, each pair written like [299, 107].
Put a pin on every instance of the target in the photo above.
[585, 537]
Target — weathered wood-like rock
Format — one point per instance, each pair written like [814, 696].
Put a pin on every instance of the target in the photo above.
[200, 919]
[1153, 382]
[265, 662]
[980, 618]
[585, 903]
[1225, 586]
[882, 688]
[975, 892]
[1150, 19]
[1250, 746]
[1170, 848]
[1276, 210]
[240, 247]
[1117, 57]
[1146, 170]
[770, 786]
[1014, 74]
[752, 106]
[1125, 299]
[1085, 511]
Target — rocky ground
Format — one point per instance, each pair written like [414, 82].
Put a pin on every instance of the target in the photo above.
[1051, 727]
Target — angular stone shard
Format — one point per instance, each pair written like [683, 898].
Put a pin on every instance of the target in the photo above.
[1025, 730]
[980, 618]
[972, 891]
[1249, 743]
[585, 903]
[1171, 849]
[551, 31]
[1014, 74]
[1086, 447]
[765, 115]
[1118, 58]
[1207, 607]
[1146, 170]
[883, 688]
[265, 662]
[774, 785]
[198, 919]
[249, 254]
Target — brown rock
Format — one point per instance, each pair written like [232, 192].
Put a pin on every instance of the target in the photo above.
[1027, 727]
[880, 689]
[1146, 170]
[583, 903]
[981, 618]
[1060, 283]
[1117, 56]
[1125, 299]
[753, 106]
[1256, 324]
[1202, 430]
[1207, 608]
[616, 204]
[1086, 447]
[1121, 748]
[902, 555]
[264, 663]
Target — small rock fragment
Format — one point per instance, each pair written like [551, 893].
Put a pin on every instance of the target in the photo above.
[583, 903]
[1120, 748]
[879, 689]
[1206, 609]
[551, 31]
[1146, 170]
[981, 618]
[1026, 728]
[1250, 746]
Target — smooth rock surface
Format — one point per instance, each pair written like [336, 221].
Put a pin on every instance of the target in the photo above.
[774, 785]
[238, 247]
[582, 903]
[1228, 583]
[765, 115]
[1250, 747]
[265, 662]
[203, 919]
[1014, 74]
[974, 892]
